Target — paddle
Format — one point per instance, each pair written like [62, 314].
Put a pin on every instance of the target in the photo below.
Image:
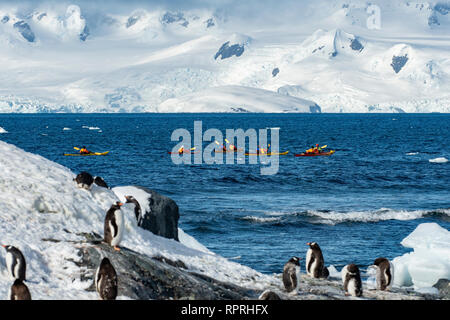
[76, 148]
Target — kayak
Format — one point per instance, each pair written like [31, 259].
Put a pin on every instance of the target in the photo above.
[228, 151]
[87, 154]
[185, 152]
[267, 154]
[304, 154]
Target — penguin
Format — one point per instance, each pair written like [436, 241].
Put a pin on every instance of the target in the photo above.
[269, 295]
[106, 280]
[385, 273]
[19, 291]
[84, 180]
[352, 280]
[315, 264]
[291, 274]
[15, 262]
[100, 182]
[137, 208]
[113, 227]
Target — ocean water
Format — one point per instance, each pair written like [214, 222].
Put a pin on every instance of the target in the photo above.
[358, 204]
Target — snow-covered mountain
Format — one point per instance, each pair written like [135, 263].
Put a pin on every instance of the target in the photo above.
[341, 56]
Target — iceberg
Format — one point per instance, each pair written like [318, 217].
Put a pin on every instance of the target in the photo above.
[429, 261]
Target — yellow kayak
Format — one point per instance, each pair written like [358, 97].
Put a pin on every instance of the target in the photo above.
[87, 154]
[267, 154]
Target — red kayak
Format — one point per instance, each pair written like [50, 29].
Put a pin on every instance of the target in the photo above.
[187, 152]
[311, 154]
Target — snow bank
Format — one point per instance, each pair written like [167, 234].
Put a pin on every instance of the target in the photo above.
[439, 160]
[430, 260]
[237, 99]
[40, 202]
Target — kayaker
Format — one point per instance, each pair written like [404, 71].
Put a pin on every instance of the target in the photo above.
[83, 150]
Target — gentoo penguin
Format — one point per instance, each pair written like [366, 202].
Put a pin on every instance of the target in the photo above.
[315, 264]
[385, 273]
[137, 208]
[113, 228]
[291, 274]
[84, 180]
[269, 295]
[100, 182]
[106, 280]
[15, 262]
[19, 291]
[352, 280]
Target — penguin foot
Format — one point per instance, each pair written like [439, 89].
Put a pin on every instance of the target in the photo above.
[116, 248]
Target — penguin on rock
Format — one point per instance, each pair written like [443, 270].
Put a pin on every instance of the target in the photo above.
[291, 274]
[315, 264]
[106, 280]
[114, 225]
[385, 273]
[352, 280]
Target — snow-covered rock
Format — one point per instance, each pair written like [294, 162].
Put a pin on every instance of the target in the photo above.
[238, 99]
[430, 259]
[45, 215]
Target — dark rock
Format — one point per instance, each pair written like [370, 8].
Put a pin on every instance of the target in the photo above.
[169, 17]
[315, 109]
[39, 17]
[398, 62]
[443, 285]
[84, 34]
[162, 219]
[356, 45]
[227, 51]
[141, 277]
[132, 20]
[275, 72]
[24, 30]
[210, 23]
[5, 19]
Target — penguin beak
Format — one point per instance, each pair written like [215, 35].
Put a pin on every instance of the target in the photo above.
[4, 245]
[120, 204]
[308, 243]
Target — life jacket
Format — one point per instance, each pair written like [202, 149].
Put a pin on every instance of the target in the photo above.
[84, 150]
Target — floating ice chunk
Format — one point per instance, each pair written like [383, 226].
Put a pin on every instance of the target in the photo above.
[439, 160]
[67, 129]
[430, 260]
[3, 130]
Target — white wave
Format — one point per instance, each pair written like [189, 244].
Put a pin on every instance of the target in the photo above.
[67, 129]
[334, 217]
[261, 219]
[3, 130]
[94, 128]
[412, 153]
[439, 160]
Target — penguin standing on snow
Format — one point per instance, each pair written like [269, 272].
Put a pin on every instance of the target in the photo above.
[137, 208]
[15, 262]
[113, 228]
[352, 280]
[19, 291]
[106, 280]
[291, 274]
[385, 272]
[315, 264]
[84, 180]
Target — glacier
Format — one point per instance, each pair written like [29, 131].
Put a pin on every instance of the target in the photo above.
[86, 57]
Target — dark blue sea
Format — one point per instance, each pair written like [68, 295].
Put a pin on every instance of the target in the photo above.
[358, 204]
